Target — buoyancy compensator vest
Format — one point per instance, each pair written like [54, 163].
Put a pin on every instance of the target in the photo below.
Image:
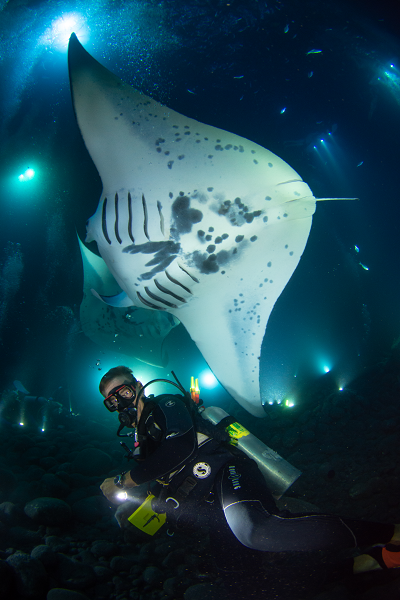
[218, 425]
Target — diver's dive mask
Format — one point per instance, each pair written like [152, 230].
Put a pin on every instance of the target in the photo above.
[120, 397]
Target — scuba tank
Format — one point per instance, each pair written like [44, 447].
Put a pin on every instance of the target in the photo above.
[278, 473]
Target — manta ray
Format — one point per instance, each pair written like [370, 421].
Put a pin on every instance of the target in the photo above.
[192, 220]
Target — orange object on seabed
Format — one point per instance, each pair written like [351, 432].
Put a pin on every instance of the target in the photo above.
[391, 556]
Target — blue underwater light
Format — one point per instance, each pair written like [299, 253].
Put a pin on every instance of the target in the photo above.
[27, 175]
[58, 33]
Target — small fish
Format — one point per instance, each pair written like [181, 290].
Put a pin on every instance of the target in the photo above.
[311, 73]
[286, 29]
[360, 163]
[313, 51]
[239, 77]
[283, 110]
[190, 92]
[364, 267]
[356, 248]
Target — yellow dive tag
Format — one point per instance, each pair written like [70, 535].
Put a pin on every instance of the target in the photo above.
[236, 431]
[145, 519]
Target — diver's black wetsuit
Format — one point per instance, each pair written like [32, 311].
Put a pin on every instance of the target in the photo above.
[209, 479]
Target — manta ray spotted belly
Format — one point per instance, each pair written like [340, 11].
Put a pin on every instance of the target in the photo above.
[192, 220]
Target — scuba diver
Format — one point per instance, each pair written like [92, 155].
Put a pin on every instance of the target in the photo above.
[196, 477]
[23, 409]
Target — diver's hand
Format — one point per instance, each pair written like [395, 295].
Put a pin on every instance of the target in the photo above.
[113, 492]
[110, 490]
[128, 481]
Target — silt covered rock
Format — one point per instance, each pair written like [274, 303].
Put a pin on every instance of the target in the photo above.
[74, 575]
[92, 461]
[30, 576]
[48, 511]
[7, 580]
[63, 594]
[90, 510]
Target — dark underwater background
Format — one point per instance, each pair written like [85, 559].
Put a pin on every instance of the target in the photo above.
[318, 84]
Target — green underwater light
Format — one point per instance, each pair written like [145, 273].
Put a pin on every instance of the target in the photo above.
[289, 403]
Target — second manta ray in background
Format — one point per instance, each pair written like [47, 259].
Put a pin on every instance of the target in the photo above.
[194, 220]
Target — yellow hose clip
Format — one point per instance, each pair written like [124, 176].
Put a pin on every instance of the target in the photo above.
[236, 431]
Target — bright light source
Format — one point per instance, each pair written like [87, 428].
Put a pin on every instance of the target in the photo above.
[323, 362]
[289, 403]
[27, 175]
[364, 267]
[42, 428]
[122, 496]
[21, 424]
[59, 32]
[208, 379]
[340, 389]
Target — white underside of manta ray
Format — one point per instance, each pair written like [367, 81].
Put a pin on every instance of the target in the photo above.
[193, 220]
